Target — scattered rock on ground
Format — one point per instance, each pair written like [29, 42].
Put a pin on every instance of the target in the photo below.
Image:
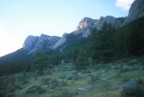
[127, 68]
[86, 88]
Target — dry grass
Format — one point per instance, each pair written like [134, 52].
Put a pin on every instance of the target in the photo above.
[105, 81]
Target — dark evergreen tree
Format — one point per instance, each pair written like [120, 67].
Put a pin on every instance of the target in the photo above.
[39, 62]
[133, 37]
[82, 60]
[102, 43]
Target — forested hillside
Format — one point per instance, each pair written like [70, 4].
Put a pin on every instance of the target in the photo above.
[105, 45]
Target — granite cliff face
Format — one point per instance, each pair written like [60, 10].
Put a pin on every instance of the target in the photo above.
[35, 43]
[61, 41]
[30, 42]
[136, 11]
[87, 24]
[109, 19]
[84, 27]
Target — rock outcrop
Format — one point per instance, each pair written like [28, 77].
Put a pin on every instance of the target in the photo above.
[136, 11]
[35, 43]
[109, 19]
[84, 27]
[61, 41]
[29, 42]
[87, 24]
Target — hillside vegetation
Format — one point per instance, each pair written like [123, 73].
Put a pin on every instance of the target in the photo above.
[101, 80]
[109, 63]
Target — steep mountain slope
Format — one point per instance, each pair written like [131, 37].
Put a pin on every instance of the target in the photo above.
[14, 62]
[20, 59]
[86, 25]
[61, 41]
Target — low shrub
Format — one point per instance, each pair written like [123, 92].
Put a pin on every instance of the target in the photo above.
[94, 79]
[66, 94]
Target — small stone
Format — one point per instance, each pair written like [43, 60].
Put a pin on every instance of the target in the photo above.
[86, 88]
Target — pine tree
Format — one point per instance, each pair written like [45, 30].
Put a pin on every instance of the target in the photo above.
[82, 60]
[39, 62]
[103, 44]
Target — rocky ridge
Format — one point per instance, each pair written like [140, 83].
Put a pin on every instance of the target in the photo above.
[35, 43]
[87, 24]
[32, 44]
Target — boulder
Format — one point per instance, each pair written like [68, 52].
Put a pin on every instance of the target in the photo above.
[132, 88]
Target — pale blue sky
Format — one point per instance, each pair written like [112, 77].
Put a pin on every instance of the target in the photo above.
[20, 18]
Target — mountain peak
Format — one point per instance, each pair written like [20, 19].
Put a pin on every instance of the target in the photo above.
[86, 22]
